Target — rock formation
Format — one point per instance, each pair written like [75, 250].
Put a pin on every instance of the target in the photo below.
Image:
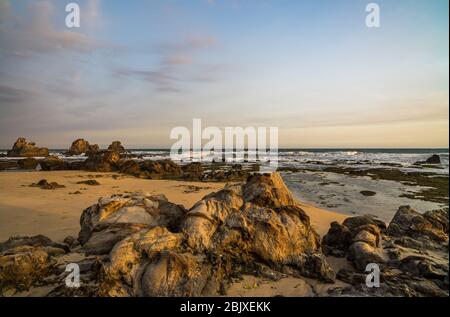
[81, 146]
[116, 146]
[412, 253]
[23, 148]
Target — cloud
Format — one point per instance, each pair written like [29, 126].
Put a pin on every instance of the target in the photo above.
[177, 65]
[33, 32]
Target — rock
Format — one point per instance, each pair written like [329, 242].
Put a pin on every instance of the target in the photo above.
[156, 248]
[161, 169]
[5, 165]
[408, 222]
[23, 266]
[35, 241]
[54, 163]
[28, 163]
[44, 184]
[91, 182]
[130, 167]
[102, 161]
[193, 171]
[424, 267]
[22, 148]
[361, 254]
[71, 241]
[439, 219]
[81, 146]
[434, 159]
[25, 261]
[116, 146]
[140, 209]
[368, 193]
[338, 238]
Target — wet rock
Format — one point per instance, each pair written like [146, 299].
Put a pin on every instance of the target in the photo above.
[433, 159]
[8, 165]
[23, 148]
[116, 146]
[71, 241]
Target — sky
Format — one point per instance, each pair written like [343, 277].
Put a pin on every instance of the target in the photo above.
[136, 69]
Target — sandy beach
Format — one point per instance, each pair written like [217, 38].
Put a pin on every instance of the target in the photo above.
[26, 210]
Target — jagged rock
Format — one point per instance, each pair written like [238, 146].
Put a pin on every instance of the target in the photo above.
[102, 161]
[410, 223]
[54, 163]
[23, 148]
[28, 163]
[116, 146]
[439, 219]
[424, 267]
[81, 146]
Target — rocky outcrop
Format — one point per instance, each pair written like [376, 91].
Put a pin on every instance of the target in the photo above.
[102, 161]
[26, 261]
[81, 146]
[433, 159]
[116, 146]
[412, 253]
[23, 148]
[157, 248]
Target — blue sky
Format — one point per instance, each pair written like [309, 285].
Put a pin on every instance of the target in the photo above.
[136, 69]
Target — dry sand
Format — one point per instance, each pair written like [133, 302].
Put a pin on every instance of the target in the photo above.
[26, 210]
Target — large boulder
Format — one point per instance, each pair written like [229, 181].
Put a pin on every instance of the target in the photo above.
[28, 163]
[81, 146]
[23, 148]
[116, 146]
[433, 159]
